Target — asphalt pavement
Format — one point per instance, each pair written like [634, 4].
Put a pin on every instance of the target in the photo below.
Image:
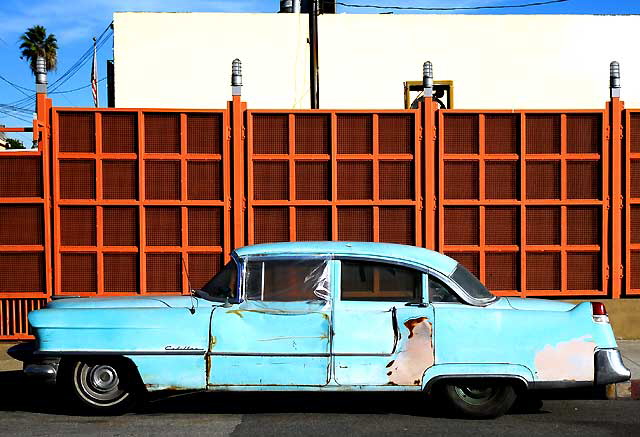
[28, 411]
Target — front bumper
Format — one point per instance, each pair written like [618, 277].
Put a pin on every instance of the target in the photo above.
[44, 369]
[609, 368]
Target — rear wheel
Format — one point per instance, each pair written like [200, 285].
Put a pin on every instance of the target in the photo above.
[479, 399]
[102, 386]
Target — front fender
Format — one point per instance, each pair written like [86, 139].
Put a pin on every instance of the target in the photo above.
[121, 331]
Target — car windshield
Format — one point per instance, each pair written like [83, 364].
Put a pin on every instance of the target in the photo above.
[222, 285]
[471, 284]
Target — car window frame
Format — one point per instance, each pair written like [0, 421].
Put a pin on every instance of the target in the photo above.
[422, 298]
[280, 257]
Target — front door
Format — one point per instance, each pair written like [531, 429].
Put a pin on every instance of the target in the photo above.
[383, 327]
[280, 333]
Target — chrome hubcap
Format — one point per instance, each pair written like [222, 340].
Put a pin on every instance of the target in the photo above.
[103, 378]
[99, 384]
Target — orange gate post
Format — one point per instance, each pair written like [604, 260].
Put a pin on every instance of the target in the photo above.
[615, 107]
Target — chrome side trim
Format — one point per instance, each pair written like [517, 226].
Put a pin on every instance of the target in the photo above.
[102, 352]
[609, 367]
[347, 354]
[549, 385]
[264, 354]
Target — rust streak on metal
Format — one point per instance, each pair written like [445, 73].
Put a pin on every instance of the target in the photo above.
[236, 312]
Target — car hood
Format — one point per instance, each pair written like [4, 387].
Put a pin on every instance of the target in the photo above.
[519, 303]
[160, 301]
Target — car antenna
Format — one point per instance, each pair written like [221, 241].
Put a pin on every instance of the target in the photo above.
[192, 310]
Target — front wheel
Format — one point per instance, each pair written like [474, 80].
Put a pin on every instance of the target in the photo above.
[102, 386]
[479, 399]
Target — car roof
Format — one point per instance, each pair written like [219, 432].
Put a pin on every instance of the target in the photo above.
[387, 251]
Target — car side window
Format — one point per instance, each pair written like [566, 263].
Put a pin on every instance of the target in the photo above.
[364, 280]
[439, 292]
[287, 280]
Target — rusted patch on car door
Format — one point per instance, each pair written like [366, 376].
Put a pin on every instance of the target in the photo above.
[566, 361]
[411, 324]
[415, 354]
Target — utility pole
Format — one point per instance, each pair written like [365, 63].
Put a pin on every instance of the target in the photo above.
[314, 74]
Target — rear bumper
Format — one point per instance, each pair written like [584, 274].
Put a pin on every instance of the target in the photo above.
[609, 368]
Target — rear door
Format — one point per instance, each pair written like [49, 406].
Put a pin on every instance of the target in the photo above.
[383, 327]
[280, 333]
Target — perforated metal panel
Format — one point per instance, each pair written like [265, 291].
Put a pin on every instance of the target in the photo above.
[119, 133]
[334, 175]
[21, 224]
[77, 132]
[151, 191]
[25, 233]
[120, 179]
[21, 176]
[521, 199]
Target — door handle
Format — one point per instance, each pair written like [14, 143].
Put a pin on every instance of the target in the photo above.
[416, 304]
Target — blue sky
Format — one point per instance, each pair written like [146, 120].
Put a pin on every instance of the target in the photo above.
[75, 22]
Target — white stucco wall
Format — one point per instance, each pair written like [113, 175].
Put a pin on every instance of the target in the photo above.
[183, 60]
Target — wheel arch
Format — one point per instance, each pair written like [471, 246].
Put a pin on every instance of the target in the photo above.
[519, 383]
[520, 375]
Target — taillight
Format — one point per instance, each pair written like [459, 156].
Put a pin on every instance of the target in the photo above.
[599, 312]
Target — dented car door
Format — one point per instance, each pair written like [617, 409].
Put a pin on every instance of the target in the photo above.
[383, 325]
[280, 333]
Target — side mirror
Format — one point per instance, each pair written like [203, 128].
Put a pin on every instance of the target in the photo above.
[226, 303]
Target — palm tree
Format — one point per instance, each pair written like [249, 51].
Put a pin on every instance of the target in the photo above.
[36, 42]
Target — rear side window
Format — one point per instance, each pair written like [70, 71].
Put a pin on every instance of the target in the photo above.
[287, 280]
[471, 284]
[439, 292]
[362, 280]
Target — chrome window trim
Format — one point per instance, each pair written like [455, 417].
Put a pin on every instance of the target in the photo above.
[458, 290]
[446, 279]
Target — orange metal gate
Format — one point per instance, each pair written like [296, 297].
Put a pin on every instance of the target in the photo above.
[25, 233]
[334, 175]
[524, 199]
[536, 203]
[138, 195]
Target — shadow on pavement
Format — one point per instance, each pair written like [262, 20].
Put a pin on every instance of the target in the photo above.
[19, 394]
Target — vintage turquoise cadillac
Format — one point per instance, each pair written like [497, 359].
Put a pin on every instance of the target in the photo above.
[325, 316]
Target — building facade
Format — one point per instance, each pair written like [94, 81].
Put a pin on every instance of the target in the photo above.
[183, 60]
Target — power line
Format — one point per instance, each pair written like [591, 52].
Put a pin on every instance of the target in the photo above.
[86, 56]
[460, 8]
[75, 89]
[14, 109]
[83, 57]
[15, 116]
[16, 86]
[26, 102]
